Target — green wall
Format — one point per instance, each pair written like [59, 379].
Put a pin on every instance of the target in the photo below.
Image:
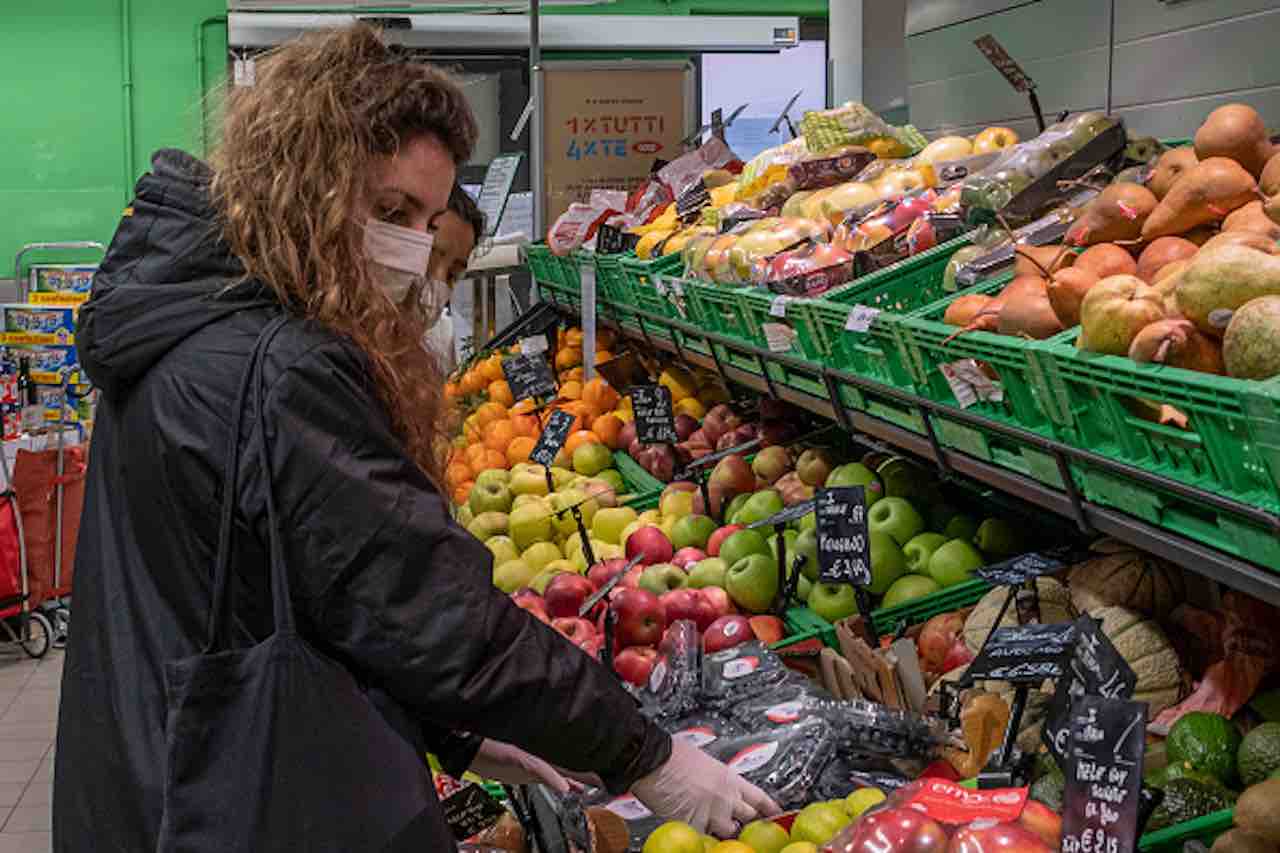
[67, 172]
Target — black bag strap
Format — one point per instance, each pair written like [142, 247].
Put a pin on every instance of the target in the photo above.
[221, 622]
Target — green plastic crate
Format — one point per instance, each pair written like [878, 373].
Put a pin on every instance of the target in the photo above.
[1203, 829]
[757, 308]
[803, 621]
[923, 609]
[642, 501]
[642, 284]
[543, 265]
[717, 308]
[613, 290]
[635, 477]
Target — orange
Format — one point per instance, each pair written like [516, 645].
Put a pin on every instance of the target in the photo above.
[574, 338]
[571, 390]
[523, 407]
[500, 392]
[489, 412]
[495, 459]
[526, 425]
[603, 355]
[462, 491]
[567, 358]
[475, 456]
[608, 427]
[600, 394]
[498, 435]
[519, 449]
[451, 391]
[472, 382]
[579, 438]
[491, 368]
[457, 473]
[460, 442]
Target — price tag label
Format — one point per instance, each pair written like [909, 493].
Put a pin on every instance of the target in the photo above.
[1104, 775]
[553, 437]
[471, 811]
[1018, 570]
[655, 421]
[1092, 668]
[860, 318]
[533, 346]
[844, 546]
[660, 285]
[245, 72]
[528, 376]
[779, 337]
[970, 384]
[778, 308]
[1027, 654]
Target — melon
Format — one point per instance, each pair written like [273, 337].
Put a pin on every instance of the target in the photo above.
[1055, 606]
[1142, 643]
[1124, 576]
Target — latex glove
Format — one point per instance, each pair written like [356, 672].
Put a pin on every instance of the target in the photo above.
[695, 788]
[503, 762]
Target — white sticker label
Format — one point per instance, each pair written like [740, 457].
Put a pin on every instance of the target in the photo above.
[732, 629]
[778, 337]
[534, 345]
[753, 757]
[699, 737]
[860, 318]
[677, 286]
[727, 654]
[740, 667]
[779, 306]
[658, 676]
[970, 384]
[787, 712]
[246, 72]
[629, 808]
[660, 285]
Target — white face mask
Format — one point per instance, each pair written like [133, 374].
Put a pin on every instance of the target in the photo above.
[399, 258]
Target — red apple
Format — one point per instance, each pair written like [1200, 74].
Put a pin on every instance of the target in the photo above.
[720, 497]
[581, 633]
[686, 425]
[717, 538]
[719, 600]
[602, 572]
[768, 629]
[958, 655]
[651, 544]
[1043, 821]
[902, 830]
[627, 435]
[527, 599]
[635, 665]
[566, 593]
[640, 618]
[935, 640]
[686, 557]
[719, 420]
[631, 580]
[727, 632]
[733, 474]
[983, 836]
[688, 604]
[814, 466]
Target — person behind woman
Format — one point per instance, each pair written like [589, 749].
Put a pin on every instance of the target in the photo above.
[456, 232]
[339, 140]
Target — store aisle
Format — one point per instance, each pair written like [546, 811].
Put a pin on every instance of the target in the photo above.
[29, 692]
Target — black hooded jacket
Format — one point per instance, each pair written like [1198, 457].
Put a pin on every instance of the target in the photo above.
[382, 578]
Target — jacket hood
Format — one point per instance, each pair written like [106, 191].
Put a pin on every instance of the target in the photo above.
[166, 275]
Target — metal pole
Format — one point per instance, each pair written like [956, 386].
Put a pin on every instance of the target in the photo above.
[1111, 49]
[535, 134]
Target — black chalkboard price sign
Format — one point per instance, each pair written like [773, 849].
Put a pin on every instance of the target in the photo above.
[553, 437]
[1025, 654]
[1022, 568]
[528, 376]
[1104, 775]
[795, 512]
[1093, 667]
[844, 546]
[655, 423]
[471, 811]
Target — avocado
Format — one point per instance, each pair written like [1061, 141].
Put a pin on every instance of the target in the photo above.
[1187, 799]
[1259, 754]
[1184, 770]
[1256, 811]
[1207, 742]
[1048, 789]
[1156, 778]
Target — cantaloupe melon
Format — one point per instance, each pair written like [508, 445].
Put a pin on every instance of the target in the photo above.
[1055, 606]
[1144, 646]
[1124, 576]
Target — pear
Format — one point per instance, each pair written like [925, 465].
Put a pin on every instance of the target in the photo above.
[1220, 280]
[1251, 347]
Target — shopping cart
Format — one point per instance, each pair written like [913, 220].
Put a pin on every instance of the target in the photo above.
[21, 623]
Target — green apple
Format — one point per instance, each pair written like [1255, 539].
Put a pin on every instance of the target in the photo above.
[833, 601]
[995, 538]
[903, 478]
[490, 497]
[614, 478]
[676, 504]
[609, 523]
[531, 523]
[804, 587]
[565, 522]
[668, 525]
[789, 537]
[527, 483]
[887, 562]
[463, 515]
[735, 503]
[499, 476]
[572, 544]
[807, 544]
[896, 517]
[909, 588]
[752, 582]
[606, 550]
[488, 524]
[692, 531]
[651, 517]
[808, 521]
[560, 567]
[522, 500]
[708, 572]
[604, 493]
[955, 563]
[961, 526]
[512, 575]
[857, 474]
[591, 459]
[662, 578]
[541, 554]
[675, 837]
[741, 544]
[818, 823]
[920, 549]
[503, 548]
[561, 477]
[764, 836]
[763, 504]
[800, 847]
[542, 578]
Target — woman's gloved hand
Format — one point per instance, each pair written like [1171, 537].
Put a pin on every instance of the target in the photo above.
[503, 762]
[695, 788]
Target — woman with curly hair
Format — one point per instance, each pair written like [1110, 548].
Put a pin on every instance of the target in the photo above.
[302, 250]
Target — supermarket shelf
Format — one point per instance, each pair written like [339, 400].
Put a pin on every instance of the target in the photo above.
[1232, 571]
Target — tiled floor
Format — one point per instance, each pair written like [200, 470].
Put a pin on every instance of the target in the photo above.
[29, 692]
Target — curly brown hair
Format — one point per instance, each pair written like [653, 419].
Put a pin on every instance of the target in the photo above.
[290, 184]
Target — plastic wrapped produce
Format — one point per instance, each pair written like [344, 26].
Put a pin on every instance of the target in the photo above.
[740, 673]
[785, 762]
[677, 674]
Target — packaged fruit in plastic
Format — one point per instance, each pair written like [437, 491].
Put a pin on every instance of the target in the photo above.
[806, 271]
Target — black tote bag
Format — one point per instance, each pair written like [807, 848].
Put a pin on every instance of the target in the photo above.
[276, 747]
